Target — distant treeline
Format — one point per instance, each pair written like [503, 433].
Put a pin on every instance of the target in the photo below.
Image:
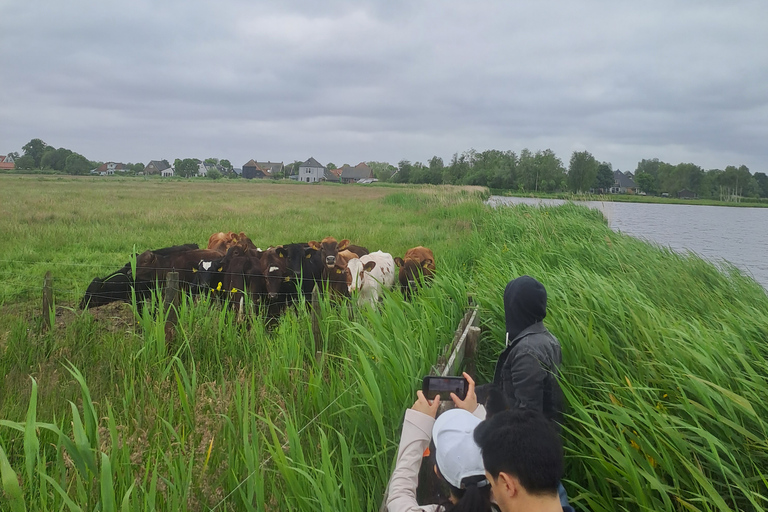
[541, 171]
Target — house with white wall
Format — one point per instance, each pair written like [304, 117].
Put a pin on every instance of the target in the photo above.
[311, 171]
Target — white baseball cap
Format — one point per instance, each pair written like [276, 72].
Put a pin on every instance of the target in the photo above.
[457, 454]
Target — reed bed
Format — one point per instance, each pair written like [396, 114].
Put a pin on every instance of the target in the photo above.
[664, 357]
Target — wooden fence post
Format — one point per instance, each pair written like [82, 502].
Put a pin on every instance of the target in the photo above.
[47, 300]
[170, 301]
[314, 309]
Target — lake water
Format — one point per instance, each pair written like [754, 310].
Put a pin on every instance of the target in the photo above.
[716, 233]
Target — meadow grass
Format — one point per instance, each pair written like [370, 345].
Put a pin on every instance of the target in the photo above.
[665, 368]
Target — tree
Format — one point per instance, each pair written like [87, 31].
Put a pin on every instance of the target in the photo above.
[211, 161]
[330, 166]
[762, 183]
[35, 149]
[382, 171]
[604, 178]
[25, 162]
[186, 168]
[226, 165]
[582, 171]
[214, 174]
[648, 166]
[77, 164]
[55, 159]
[403, 174]
[646, 183]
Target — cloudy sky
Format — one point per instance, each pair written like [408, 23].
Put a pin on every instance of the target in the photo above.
[348, 81]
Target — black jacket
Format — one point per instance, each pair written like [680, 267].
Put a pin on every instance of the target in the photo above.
[528, 372]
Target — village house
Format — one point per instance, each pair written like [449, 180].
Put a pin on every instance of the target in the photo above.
[7, 162]
[686, 194]
[109, 168]
[623, 183]
[254, 169]
[157, 167]
[311, 171]
[354, 174]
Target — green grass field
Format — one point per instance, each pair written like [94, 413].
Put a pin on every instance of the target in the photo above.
[665, 365]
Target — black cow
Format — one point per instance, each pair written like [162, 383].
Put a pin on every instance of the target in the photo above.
[241, 272]
[117, 285]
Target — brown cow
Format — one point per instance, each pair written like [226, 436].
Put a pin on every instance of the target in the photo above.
[221, 241]
[418, 266]
[329, 248]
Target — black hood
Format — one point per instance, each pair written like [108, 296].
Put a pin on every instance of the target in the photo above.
[525, 303]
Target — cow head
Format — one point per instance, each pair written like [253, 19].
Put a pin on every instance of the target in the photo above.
[275, 268]
[413, 272]
[329, 249]
[112, 288]
[356, 271]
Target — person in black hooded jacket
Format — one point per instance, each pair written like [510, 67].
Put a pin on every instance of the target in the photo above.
[527, 371]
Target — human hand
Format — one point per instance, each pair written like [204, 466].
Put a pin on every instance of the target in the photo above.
[470, 401]
[423, 406]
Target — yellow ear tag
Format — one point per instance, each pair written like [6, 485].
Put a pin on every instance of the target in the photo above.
[221, 268]
[218, 288]
[194, 270]
[287, 279]
[234, 290]
[338, 271]
[308, 256]
[280, 255]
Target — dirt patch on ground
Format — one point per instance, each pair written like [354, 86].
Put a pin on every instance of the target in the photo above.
[114, 317]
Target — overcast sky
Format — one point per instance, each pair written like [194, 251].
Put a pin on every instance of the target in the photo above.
[351, 81]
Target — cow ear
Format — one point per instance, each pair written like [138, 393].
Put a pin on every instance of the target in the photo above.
[309, 251]
[427, 263]
[280, 251]
[314, 245]
[399, 261]
[369, 265]
[343, 244]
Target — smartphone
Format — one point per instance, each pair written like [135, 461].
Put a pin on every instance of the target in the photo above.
[433, 385]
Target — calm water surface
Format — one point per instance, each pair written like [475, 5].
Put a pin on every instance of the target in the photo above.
[737, 235]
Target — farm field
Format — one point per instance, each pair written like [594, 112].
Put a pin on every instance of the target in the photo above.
[665, 357]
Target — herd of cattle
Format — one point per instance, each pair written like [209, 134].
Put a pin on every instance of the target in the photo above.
[232, 266]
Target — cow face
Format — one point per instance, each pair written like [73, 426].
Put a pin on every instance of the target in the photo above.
[112, 288]
[413, 272]
[356, 271]
[329, 249]
[241, 271]
[276, 271]
[207, 275]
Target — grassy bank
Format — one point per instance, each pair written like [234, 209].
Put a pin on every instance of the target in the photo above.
[664, 356]
[747, 202]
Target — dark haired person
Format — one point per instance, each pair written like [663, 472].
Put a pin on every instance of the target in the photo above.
[459, 462]
[527, 372]
[528, 369]
[523, 459]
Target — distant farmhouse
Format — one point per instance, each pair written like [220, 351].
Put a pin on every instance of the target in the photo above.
[254, 169]
[310, 171]
[354, 174]
[623, 183]
[161, 167]
[203, 168]
[7, 162]
[109, 168]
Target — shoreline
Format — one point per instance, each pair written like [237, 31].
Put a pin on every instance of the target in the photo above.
[632, 198]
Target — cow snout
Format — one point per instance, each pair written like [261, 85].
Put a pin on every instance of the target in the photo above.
[272, 295]
[330, 260]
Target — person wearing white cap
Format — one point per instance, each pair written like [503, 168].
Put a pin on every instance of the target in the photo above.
[459, 460]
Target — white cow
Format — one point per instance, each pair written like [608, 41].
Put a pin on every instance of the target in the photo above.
[369, 274]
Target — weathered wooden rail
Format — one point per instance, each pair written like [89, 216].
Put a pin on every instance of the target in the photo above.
[462, 349]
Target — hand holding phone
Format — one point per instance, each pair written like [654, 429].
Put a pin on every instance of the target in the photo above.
[433, 386]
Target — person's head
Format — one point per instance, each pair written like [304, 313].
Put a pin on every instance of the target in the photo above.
[459, 461]
[522, 455]
[525, 303]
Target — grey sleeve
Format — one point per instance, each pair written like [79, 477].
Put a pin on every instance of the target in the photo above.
[524, 383]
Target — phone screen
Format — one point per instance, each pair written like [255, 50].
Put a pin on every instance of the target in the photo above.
[444, 386]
